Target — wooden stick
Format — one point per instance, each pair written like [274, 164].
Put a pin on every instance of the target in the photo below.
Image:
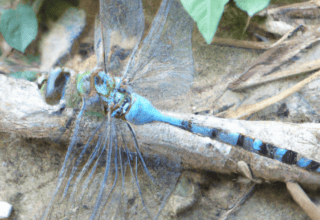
[245, 111]
[303, 200]
[23, 111]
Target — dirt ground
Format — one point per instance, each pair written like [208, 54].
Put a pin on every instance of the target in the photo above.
[29, 171]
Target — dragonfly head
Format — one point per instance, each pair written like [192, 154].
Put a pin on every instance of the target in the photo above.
[104, 84]
[108, 89]
[98, 81]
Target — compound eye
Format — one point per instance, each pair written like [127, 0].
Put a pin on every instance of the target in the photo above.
[83, 83]
[101, 83]
[98, 81]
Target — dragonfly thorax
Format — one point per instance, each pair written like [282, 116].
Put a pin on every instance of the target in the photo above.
[114, 97]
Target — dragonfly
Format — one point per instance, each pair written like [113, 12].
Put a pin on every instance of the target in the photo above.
[102, 177]
[133, 72]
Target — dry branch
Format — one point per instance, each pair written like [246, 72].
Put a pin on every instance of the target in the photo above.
[23, 111]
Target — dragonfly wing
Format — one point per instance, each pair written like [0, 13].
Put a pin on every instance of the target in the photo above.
[163, 66]
[121, 24]
[98, 43]
[108, 178]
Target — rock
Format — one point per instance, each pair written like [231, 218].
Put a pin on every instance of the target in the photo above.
[5, 210]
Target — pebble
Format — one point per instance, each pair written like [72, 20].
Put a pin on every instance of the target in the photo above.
[5, 210]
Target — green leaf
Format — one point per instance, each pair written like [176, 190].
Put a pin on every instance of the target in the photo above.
[19, 27]
[207, 14]
[252, 6]
[28, 75]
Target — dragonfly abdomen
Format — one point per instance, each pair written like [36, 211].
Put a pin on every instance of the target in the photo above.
[257, 146]
[143, 112]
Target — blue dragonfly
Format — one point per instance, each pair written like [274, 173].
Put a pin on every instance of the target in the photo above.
[158, 67]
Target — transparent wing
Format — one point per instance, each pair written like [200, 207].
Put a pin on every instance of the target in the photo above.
[121, 24]
[163, 66]
[108, 178]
